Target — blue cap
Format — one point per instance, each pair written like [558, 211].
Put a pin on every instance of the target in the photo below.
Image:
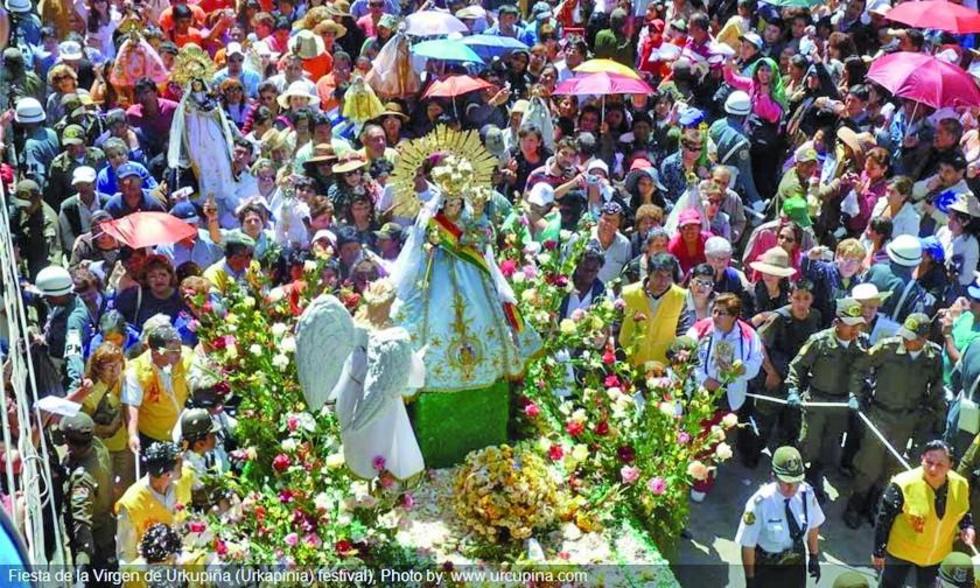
[691, 117]
[934, 248]
[128, 169]
[186, 212]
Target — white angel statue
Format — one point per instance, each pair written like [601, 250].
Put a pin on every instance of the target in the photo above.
[367, 366]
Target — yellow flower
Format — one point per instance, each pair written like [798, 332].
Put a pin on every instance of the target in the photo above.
[566, 326]
[335, 460]
[580, 452]
[697, 470]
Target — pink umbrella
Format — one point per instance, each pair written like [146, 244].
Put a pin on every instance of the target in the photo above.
[936, 14]
[925, 79]
[602, 84]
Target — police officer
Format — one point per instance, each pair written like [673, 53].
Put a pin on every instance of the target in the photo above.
[906, 397]
[68, 322]
[820, 372]
[922, 512]
[956, 571]
[89, 519]
[733, 146]
[75, 154]
[780, 524]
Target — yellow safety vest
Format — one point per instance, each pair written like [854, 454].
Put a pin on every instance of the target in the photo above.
[159, 411]
[918, 535]
[653, 336]
[143, 508]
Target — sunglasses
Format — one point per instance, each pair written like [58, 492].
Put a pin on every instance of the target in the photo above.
[690, 147]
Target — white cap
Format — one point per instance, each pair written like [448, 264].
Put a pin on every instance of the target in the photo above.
[324, 234]
[597, 164]
[70, 51]
[83, 174]
[234, 48]
[541, 194]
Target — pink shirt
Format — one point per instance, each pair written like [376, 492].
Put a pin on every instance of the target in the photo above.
[762, 103]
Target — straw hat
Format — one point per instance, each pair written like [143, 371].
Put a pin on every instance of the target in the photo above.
[322, 153]
[329, 26]
[774, 262]
[867, 292]
[298, 88]
[307, 45]
[272, 140]
[966, 205]
[860, 143]
[339, 8]
[393, 109]
[349, 165]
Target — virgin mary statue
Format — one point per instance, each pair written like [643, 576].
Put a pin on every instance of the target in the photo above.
[200, 134]
[455, 303]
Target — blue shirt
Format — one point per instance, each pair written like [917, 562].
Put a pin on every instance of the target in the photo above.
[107, 182]
[522, 34]
[248, 78]
[360, 7]
[118, 209]
[203, 252]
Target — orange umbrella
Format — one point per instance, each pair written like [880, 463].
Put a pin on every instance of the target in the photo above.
[456, 86]
[145, 229]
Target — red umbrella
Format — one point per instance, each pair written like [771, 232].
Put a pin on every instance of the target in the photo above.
[145, 229]
[456, 86]
[925, 79]
[601, 84]
[936, 14]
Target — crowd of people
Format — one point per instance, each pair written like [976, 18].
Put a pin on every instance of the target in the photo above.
[815, 235]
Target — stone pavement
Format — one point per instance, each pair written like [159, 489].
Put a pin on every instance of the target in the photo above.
[711, 559]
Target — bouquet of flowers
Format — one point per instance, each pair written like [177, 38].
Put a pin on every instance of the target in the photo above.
[505, 493]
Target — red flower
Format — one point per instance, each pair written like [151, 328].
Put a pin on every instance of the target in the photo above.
[602, 429]
[219, 343]
[220, 547]
[555, 452]
[343, 547]
[281, 462]
[532, 410]
[197, 526]
[222, 388]
[612, 380]
[561, 281]
[550, 245]
[508, 267]
[626, 453]
[609, 358]
[574, 428]
[259, 512]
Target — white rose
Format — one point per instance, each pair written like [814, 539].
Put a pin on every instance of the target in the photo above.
[289, 445]
[255, 349]
[279, 329]
[729, 420]
[280, 361]
[335, 460]
[277, 294]
[248, 302]
[288, 345]
[309, 266]
[723, 452]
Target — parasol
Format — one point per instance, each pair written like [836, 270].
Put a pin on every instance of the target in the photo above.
[146, 229]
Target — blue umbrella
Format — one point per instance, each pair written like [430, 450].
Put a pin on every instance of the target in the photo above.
[446, 50]
[490, 46]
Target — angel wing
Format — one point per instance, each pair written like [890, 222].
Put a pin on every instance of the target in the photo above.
[324, 338]
[389, 371]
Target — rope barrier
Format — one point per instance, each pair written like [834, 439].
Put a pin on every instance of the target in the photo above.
[35, 460]
[895, 453]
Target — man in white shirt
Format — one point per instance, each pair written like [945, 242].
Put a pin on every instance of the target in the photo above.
[615, 247]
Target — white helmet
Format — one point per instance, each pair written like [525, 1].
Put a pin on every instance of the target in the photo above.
[738, 104]
[29, 110]
[54, 280]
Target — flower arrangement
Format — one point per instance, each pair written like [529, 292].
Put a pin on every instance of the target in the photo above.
[505, 493]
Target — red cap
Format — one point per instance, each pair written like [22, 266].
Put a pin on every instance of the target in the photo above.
[689, 217]
[640, 163]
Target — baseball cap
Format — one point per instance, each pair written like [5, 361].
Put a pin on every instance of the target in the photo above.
[186, 212]
[752, 38]
[83, 174]
[689, 217]
[127, 169]
[916, 326]
[541, 194]
[849, 311]
[805, 154]
[73, 135]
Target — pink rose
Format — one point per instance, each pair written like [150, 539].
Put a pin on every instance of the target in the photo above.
[629, 474]
[292, 423]
[313, 540]
[197, 526]
[657, 486]
[532, 410]
[619, 304]
[530, 272]
[408, 501]
[508, 267]
[291, 539]
[683, 438]
[556, 452]
[378, 463]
